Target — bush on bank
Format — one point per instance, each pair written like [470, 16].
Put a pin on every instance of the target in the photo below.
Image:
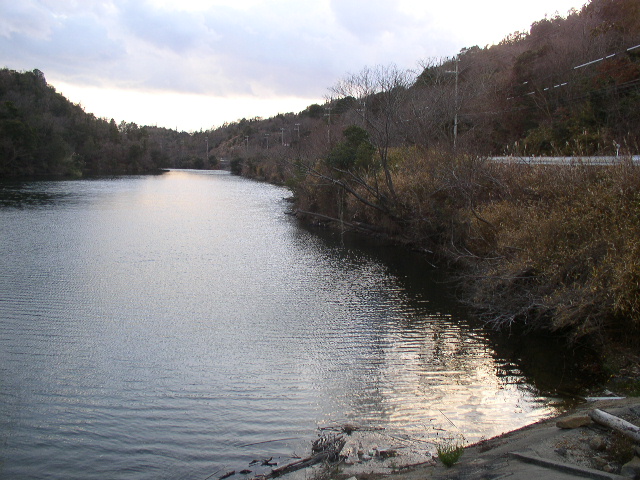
[563, 251]
[544, 247]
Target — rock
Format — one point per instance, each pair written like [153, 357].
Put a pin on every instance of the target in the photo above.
[631, 469]
[561, 451]
[636, 449]
[349, 428]
[573, 422]
[350, 459]
[346, 451]
[597, 443]
[387, 453]
[599, 462]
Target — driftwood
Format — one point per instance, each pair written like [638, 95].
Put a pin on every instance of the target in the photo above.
[618, 424]
[598, 399]
[330, 450]
[349, 428]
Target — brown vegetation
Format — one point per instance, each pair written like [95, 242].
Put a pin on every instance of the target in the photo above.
[545, 247]
[405, 155]
[542, 247]
[556, 247]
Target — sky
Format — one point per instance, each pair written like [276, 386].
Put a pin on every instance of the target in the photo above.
[195, 64]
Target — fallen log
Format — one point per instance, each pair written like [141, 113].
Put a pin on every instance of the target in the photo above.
[629, 430]
[349, 428]
[330, 452]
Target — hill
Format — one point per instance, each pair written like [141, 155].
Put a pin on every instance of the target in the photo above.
[405, 156]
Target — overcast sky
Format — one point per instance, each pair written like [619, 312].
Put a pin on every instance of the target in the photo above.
[194, 64]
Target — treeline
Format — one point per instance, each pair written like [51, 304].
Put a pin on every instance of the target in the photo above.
[44, 134]
[405, 156]
[568, 86]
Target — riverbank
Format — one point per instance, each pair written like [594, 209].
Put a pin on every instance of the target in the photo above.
[540, 450]
[535, 247]
[543, 450]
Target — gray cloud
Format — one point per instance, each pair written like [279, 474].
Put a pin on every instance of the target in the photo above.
[176, 31]
[275, 48]
[77, 45]
[24, 18]
[369, 21]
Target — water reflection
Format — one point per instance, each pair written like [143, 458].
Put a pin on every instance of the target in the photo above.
[24, 195]
[152, 326]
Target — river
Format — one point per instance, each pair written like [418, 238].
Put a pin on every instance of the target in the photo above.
[155, 327]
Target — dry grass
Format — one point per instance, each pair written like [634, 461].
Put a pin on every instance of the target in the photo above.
[551, 247]
[569, 239]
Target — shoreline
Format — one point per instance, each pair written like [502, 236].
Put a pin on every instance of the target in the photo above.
[538, 450]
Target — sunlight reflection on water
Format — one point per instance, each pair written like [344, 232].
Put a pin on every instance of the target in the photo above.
[151, 326]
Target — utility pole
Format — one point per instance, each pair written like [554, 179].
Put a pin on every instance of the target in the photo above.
[455, 119]
[267, 137]
[456, 72]
[363, 112]
[328, 115]
[282, 135]
[246, 144]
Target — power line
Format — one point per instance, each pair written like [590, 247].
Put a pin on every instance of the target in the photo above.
[579, 98]
[592, 62]
[605, 58]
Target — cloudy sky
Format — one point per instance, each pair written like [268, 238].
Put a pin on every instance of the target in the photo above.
[194, 64]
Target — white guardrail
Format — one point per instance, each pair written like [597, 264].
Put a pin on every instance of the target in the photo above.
[612, 160]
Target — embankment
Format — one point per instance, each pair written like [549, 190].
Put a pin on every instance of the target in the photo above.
[537, 247]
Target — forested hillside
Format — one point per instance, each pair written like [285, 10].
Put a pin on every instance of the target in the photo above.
[43, 134]
[568, 86]
[404, 155]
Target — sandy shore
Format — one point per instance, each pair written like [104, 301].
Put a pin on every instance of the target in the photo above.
[535, 452]
[542, 450]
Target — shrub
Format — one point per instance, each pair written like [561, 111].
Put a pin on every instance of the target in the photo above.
[449, 452]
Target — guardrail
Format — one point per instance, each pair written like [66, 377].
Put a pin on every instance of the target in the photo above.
[612, 160]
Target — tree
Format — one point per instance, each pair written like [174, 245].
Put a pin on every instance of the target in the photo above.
[355, 152]
[17, 140]
[382, 92]
[314, 111]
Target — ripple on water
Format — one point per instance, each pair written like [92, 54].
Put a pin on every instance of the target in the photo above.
[156, 327]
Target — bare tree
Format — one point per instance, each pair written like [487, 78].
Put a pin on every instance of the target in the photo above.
[380, 93]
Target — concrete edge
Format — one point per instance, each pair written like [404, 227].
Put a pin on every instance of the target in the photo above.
[563, 467]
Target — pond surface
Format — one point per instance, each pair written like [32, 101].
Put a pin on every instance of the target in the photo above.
[157, 327]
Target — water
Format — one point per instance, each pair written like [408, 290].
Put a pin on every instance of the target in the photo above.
[154, 327]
